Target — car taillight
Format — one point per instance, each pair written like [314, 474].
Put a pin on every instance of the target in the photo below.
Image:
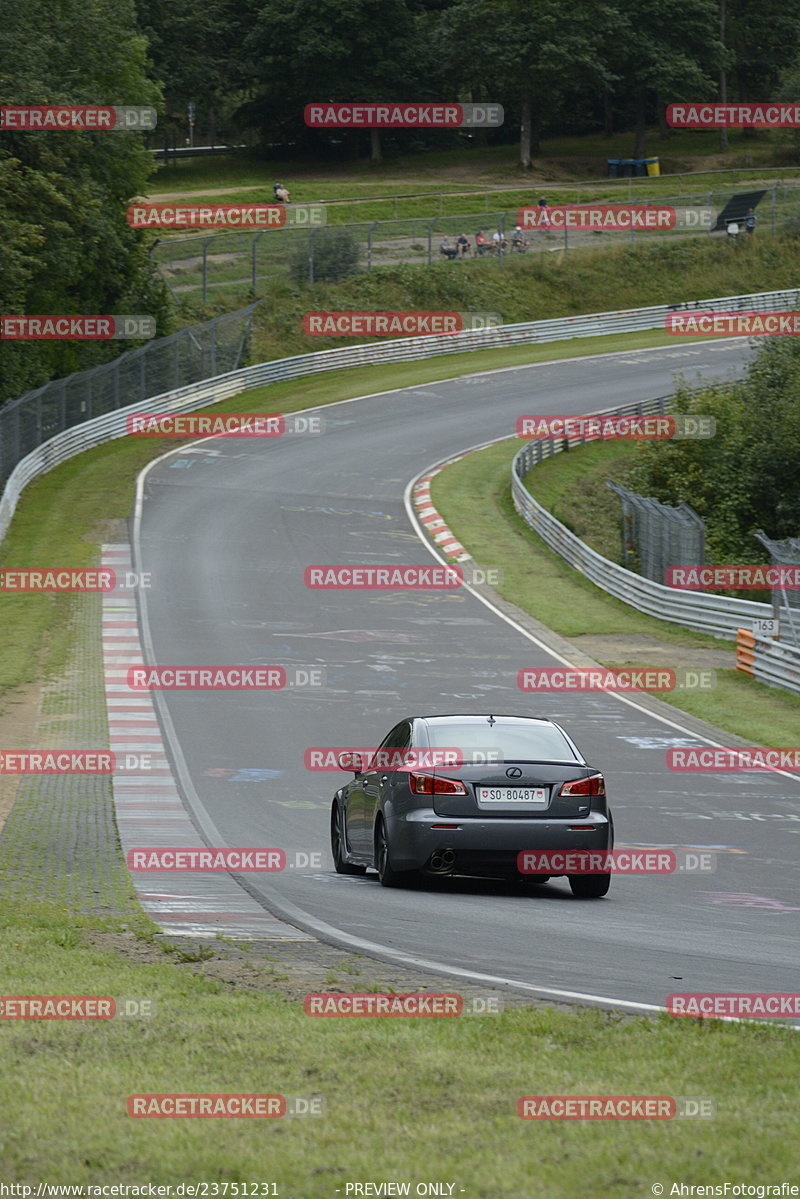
[431, 784]
[594, 785]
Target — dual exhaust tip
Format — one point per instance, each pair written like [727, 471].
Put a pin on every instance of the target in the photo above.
[442, 861]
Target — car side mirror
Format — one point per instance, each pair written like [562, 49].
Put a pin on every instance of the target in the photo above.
[349, 760]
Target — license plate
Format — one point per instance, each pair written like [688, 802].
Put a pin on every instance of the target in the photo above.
[506, 796]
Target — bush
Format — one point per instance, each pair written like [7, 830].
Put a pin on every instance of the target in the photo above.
[747, 476]
[334, 255]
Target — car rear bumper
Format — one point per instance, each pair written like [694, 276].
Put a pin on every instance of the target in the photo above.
[489, 846]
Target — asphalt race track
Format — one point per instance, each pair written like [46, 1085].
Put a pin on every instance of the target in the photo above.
[227, 528]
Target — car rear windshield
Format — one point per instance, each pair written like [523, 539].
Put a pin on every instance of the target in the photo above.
[514, 742]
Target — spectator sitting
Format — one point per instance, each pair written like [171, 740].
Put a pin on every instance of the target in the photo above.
[499, 240]
[281, 194]
[446, 249]
[480, 242]
[518, 239]
[463, 245]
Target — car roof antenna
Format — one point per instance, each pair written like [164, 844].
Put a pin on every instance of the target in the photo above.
[492, 720]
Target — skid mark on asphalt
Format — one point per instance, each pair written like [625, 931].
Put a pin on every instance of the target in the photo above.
[149, 808]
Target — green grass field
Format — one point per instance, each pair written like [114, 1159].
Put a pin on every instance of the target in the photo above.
[398, 1095]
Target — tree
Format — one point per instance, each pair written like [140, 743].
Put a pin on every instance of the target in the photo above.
[669, 49]
[66, 245]
[536, 54]
[330, 50]
[747, 476]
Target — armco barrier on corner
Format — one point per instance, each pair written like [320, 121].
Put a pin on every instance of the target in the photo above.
[707, 613]
[771, 662]
[597, 324]
[768, 661]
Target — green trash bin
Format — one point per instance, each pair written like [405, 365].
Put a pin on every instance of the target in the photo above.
[613, 168]
[653, 166]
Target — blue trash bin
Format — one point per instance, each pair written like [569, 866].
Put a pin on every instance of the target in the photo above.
[613, 168]
[627, 167]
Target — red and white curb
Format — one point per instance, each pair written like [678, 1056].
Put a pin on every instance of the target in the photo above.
[430, 519]
[150, 812]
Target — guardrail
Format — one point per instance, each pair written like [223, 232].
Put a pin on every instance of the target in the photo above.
[198, 395]
[771, 662]
[719, 615]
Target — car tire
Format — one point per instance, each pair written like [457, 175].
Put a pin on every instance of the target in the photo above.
[589, 886]
[386, 874]
[341, 865]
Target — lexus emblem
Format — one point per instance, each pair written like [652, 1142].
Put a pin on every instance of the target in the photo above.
[513, 772]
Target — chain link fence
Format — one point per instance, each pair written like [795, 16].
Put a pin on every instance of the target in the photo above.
[656, 536]
[246, 262]
[185, 357]
[785, 601]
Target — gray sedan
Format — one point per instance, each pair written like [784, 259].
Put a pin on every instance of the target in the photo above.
[477, 795]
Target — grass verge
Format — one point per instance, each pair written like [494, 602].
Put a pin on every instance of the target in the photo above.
[474, 498]
[526, 288]
[399, 1096]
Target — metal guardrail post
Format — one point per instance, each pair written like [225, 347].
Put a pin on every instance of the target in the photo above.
[205, 268]
[311, 237]
[256, 240]
[369, 245]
